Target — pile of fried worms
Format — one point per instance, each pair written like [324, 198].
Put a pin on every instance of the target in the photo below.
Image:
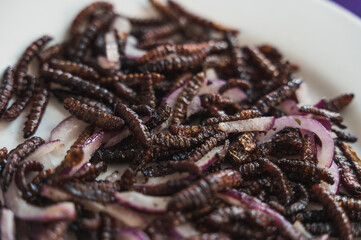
[177, 131]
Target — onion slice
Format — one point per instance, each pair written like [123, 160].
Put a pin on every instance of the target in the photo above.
[208, 159]
[129, 233]
[26, 211]
[143, 202]
[254, 124]
[7, 224]
[235, 197]
[336, 176]
[326, 152]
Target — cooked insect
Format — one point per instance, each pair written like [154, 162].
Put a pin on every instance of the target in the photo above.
[6, 89]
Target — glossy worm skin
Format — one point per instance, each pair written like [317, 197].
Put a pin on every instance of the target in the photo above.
[83, 16]
[301, 203]
[22, 100]
[92, 115]
[199, 193]
[78, 69]
[185, 98]
[236, 61]
[262, 62]
[333, 116]
[39, 102]
[334, 211]
[15, 156]
[135, 124]
[6, 88]
[351, 157]
[345, 137]
[276, 97]
[305, 171]
[235, 83]
[307, 153]
[20, 178]
[243, 115]
[22, 65]
[340, 102]
[77, 83]
[61, 95]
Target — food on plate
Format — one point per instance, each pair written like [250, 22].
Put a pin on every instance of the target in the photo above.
[176, 131]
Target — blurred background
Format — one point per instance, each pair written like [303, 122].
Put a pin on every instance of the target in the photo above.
[352, 5]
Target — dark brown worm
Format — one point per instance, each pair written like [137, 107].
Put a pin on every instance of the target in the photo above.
[20, 177]
[185, 98]
[54, 51]
[163, 9]
[135, 124]
[307, 153]
[243, 115]
[132, 79]
[216, 99]
[39, 102]
[227, 215]
[235, 83]
[170, 167]
[63, 94]
[312, 216]
[180, 81]
[75, 68]
[199, 20]
[334, 211]
[89, 89]
[276, 97]
[161, 114]
[345, 137]
[146, 93]
[210, 236]
[80, 47]
[175, 141]
[15, 156]
[143, 110]
[301, 203]
[200, 192]
[106, 227]
[72, 158]
[22, 66]
[207, 146]
[349, 203]
[279, 180]
[333, 116]
[319, 228]
[148, 45]
[250, 170]
[100, 191]
[305, 171]
[262, 62]
[236, 55]
[249, 232]
[177, 63]
[254, 186]
[114, 156]
[92, 115]
[146, 21]
[348, 175]
[157, 32]
[6, 89]
[124, 92]
[352, 157]
[88, 172]
[52, 231]
[22, 100]
[270, 52]
[194, 131]
[339, 103]
[83, 16]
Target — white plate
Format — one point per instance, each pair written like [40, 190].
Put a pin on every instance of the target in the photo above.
[318, 35]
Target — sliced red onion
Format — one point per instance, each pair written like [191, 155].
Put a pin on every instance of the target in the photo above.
[321, 103]
[45, 149]
[111, 47]
[124, 214]
[143, 202]
[129, 233]
[117, 138]
[235, 197]
[236, 95]
[26, 211]
[90, 145]
[183, 231]
[208, 159]
[195, 106]
[301, 229]
[336, 176]
[131, 51]
[324, 121]
[326, 152]
[7, 224]
[254, 124]
[211, 73]
[105, 63]
[68, 131]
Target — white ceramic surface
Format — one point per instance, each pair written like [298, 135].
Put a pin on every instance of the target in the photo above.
[318, 35]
